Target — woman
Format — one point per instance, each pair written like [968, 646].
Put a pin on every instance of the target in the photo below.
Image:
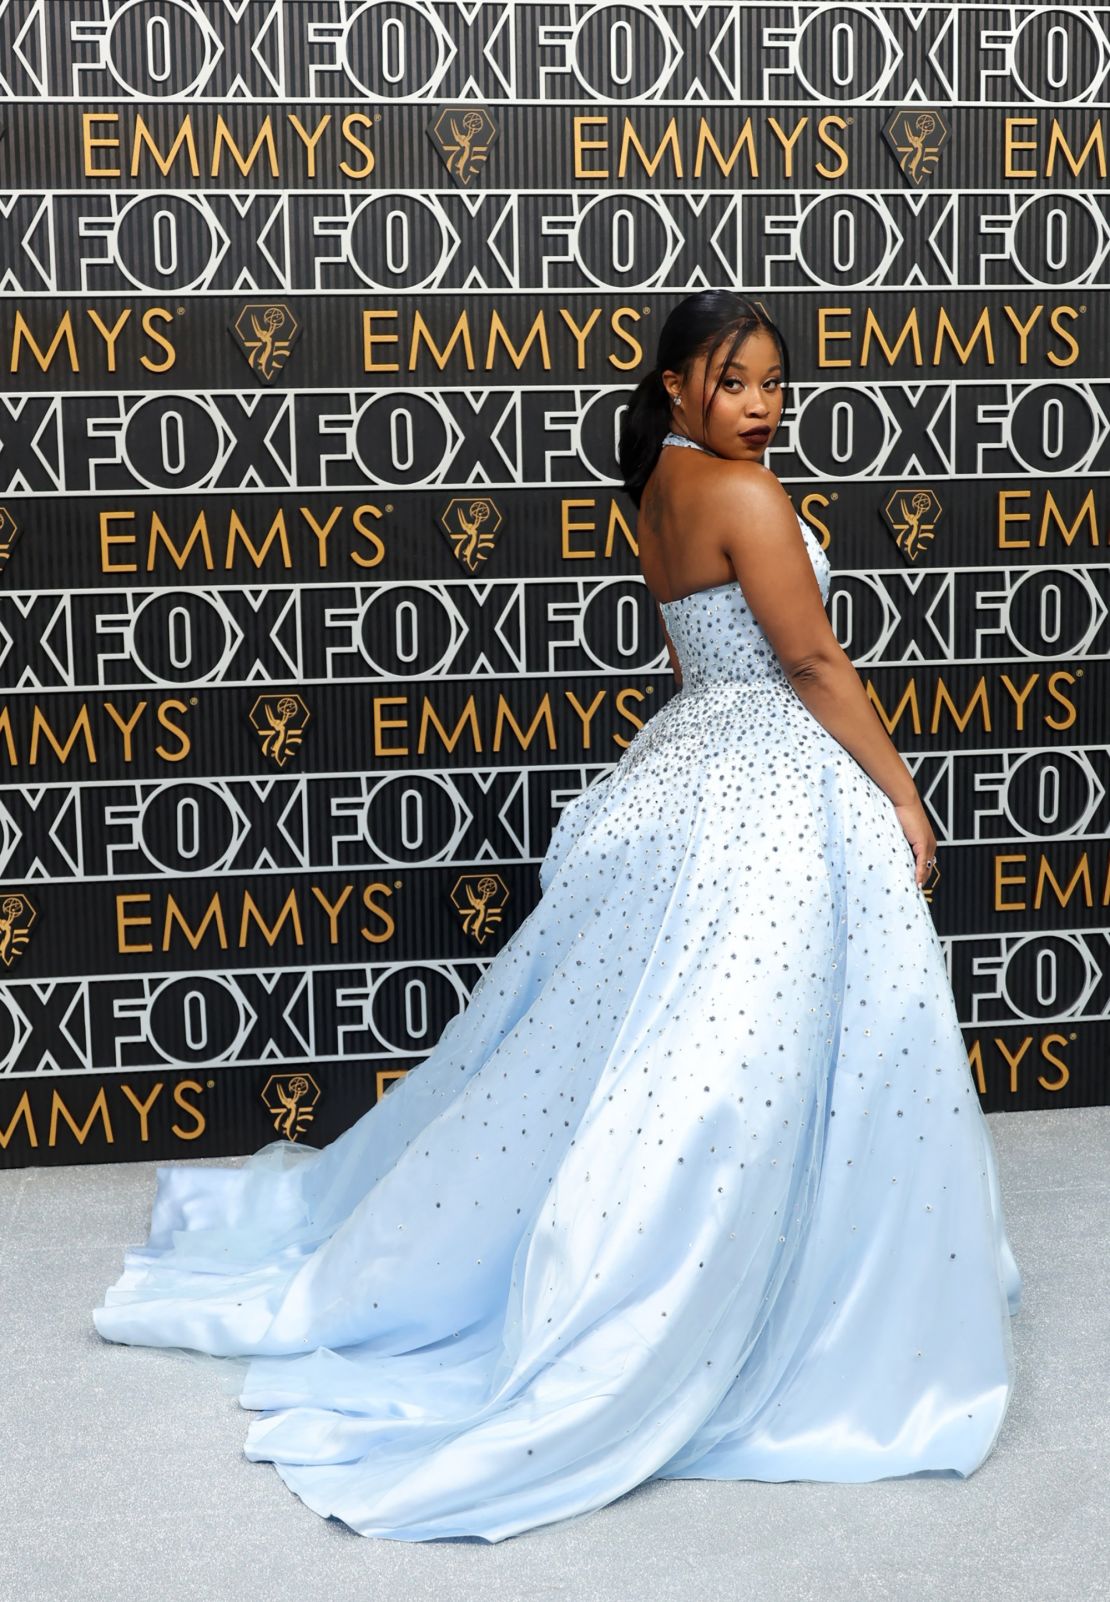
[702, 527]
[697, 1186]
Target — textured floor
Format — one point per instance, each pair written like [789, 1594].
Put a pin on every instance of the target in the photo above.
[124, 1479]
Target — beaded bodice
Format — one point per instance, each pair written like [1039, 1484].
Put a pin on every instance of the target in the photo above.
[714, 632]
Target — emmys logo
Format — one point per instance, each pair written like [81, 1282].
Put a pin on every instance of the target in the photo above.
[16, 917]
[480, 898]
[9, 533]
[266, 335]
[463, 136]
[471, 526]
[279, 721]
[916, 138]
[912, 515]
[291, 1100]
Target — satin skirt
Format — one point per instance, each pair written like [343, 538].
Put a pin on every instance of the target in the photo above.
[697, 1185]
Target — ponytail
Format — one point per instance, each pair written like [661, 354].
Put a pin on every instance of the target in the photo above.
[646, 420]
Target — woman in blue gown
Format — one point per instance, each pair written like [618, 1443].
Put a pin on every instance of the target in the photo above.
[698, 1184]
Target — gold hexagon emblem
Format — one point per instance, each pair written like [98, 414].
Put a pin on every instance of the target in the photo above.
[17, 914]
[291, 1099]
[463, 136]
[9, 533]
[471, 523]
[912, 516]
[930, 884]
[916, 136]
[279, 721]
[388, 1079]
[266, 332]
[480, 900]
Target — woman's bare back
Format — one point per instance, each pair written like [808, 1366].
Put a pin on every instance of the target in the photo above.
[676, 555]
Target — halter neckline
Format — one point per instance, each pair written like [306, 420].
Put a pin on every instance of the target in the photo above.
[683, 439]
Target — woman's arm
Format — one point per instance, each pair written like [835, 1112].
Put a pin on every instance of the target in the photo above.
[758, 530]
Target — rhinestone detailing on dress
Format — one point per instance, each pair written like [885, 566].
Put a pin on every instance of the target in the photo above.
[681, 439]
[717, 638]
[696, 1184]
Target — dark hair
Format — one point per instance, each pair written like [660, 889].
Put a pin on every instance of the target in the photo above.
[700, 323]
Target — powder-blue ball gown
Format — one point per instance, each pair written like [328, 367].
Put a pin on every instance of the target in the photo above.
[697, 1186]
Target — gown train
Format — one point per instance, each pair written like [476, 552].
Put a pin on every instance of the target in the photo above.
[697, 1186]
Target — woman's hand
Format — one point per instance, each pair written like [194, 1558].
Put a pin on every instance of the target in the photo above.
[915, 826]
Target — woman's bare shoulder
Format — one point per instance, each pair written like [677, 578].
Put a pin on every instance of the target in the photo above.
[739, 492]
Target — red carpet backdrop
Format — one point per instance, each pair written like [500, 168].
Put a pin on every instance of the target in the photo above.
[318, 596]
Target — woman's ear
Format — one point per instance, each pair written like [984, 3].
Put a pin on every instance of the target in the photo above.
[672, 383]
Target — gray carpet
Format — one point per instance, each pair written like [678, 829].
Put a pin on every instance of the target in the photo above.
[124, 1476]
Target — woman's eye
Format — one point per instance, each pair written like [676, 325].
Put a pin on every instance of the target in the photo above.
[732, 384]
